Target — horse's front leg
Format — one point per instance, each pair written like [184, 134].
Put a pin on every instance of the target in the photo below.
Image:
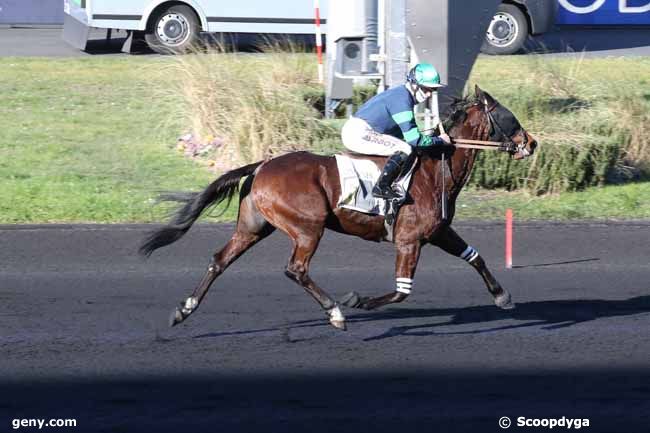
[449, 241]
[405, 264]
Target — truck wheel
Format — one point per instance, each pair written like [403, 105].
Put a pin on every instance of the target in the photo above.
[507, 32]
[173, 30]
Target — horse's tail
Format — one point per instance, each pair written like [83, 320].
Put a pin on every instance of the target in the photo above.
[223, 188]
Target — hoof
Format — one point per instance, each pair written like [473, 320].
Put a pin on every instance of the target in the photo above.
[339, 324]
[504, 301]
[176, 317]
[337, 319]
[351, 300]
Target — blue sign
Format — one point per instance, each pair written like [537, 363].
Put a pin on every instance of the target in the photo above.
[604, 12]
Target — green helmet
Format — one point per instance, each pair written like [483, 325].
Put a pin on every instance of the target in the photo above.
[425, 75]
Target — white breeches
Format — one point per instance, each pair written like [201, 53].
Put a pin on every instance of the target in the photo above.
[359, 137]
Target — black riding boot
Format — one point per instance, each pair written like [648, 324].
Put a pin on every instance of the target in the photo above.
[383, 188]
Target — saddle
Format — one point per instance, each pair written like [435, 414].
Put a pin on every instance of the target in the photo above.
[358, 174]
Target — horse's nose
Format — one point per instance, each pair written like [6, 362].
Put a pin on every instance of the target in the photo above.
[532, 142]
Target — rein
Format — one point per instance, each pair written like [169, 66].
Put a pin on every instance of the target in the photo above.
[480, 144]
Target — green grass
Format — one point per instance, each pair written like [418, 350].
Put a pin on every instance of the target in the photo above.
[82, 141]
[589, 115]
[615, 202]
[93, 140]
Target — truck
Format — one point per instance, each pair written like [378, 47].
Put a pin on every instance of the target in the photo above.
[172, 26]
[515, 20]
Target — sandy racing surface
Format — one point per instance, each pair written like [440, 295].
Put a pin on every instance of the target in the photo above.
[84, 334]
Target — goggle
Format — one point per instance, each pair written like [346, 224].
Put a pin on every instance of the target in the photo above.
[426, 89]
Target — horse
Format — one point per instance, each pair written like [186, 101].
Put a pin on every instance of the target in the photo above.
[298, 193]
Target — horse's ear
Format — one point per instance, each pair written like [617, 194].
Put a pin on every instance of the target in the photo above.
[487, 99]
[477, 91]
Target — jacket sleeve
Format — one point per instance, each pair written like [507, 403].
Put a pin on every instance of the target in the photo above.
[406, 122]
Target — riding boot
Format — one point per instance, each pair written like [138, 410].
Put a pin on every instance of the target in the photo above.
[383, 188]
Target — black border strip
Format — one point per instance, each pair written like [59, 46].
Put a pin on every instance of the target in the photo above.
[118, 17]
[264, 20]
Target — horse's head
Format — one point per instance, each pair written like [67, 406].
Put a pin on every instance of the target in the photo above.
[504, 126]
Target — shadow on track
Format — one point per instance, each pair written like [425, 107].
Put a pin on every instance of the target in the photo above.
[566, 262]
[550, 315]
[380, 401]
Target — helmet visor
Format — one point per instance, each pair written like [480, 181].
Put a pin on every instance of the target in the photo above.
[428, 89]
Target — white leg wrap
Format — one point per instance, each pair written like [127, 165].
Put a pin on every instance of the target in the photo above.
[469, 255]
[190, 305]
[335, 314]
[404, 285]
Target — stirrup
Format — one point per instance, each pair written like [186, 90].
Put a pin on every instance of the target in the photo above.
[387, 193]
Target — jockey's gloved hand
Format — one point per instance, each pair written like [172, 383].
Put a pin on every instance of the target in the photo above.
[430, 132]
[429, 141]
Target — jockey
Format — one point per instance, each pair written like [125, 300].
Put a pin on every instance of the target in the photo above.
[385, 125]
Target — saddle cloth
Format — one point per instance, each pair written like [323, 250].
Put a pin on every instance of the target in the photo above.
[357, 177]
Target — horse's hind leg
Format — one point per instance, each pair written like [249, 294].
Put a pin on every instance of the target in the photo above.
[405, 263]
[251, 228]
[304, 246]
[452, 243]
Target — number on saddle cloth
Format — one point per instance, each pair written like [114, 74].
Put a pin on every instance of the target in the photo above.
[357, 176]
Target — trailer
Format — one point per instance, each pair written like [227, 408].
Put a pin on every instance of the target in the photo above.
[608, 13]
[173, 26]
[515, 20]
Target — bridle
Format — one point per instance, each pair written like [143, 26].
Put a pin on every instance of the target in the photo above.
[508, 145]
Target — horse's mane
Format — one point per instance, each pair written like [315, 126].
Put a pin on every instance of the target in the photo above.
[457, 111]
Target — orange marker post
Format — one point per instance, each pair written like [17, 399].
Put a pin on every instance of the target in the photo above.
[319, 41]
[508, 238]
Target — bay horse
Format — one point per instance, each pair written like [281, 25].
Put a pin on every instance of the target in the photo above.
[298, 193]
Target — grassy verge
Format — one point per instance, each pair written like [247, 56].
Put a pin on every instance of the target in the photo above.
[83, 141]
[589, 115]
[619, 202]
[88, 140]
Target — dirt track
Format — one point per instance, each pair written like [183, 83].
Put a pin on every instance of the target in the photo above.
[84, 334]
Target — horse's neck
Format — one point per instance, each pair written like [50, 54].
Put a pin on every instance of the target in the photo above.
[457, 169]
[463, 160]
[461, 168]
[461, 163]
